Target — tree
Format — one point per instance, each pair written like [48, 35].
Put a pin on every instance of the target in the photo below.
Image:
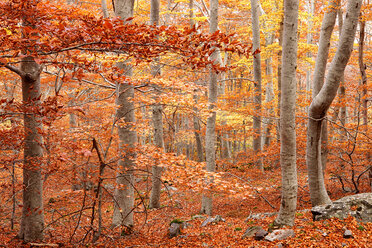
[32, 222]
[362, 68]
[257, 80]
[157, 118]
[322, 101]
[210, 136]
[328, 23]
[124, 193]
[288, 115]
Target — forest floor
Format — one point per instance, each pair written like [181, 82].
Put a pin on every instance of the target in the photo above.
[68, 219]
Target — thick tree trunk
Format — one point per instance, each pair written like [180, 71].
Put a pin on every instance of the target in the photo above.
[32, 222]
[323, 100]
[210, 136]
[257, 82]
[124, 193]
[288, 116]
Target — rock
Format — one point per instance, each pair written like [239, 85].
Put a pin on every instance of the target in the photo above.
[175, 229]
[209, 220]
[348, 234]
[280, 234]
[251, 231]
[358, 206]
[260, 234]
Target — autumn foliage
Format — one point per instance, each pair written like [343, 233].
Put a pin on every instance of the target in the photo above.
[79, 50]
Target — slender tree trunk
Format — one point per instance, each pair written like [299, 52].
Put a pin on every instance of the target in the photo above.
[288, 116]
[157, 117]
[257, 84]
[124, 193]
[328, 24]
[280, 75]
[362, 67]
[198, 139]
[226, 151]
[32, 222]
[323, 100]
[269, 95]
[210, 136]
[342, 90]
[309, 54]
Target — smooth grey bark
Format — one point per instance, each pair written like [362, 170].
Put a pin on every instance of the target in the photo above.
[157, 118]
[342, 90]
[281, 25]
[210, 136]
[124, 192]
[269, 95]
[323, 100]
[288, 204]
[104, 9]
[340, 112]
[257, 82]
[328, 24]
[309, 41]
[32, 222]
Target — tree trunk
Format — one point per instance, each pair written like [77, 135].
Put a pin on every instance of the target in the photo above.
[32, 222]
[257, 82]
[104, 9]
[288, 116]
[157, 118]
[328, 24]
[363, 74]
[279, 75]
[309, 54]
[269, 94]
[210, 136]
[342, 90]
[323, 100]
[198, 139]
[124, 193]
